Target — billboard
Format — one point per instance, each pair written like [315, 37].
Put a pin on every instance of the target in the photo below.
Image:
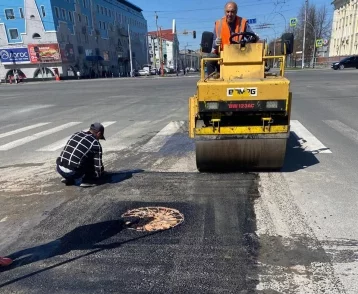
[14, 55]
[44, 53]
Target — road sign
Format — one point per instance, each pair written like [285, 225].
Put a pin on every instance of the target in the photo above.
[325, 42]
[251, 21]
[319, 43]
[293, 22]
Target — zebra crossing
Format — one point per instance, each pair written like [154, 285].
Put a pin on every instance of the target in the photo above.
[53, 135]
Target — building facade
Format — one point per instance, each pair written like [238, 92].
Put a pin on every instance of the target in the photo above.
[189, 60]
[344, 37]
[39, 38]
[169, 43]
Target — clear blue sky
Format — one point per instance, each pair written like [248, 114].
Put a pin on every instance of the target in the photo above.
[200, 15]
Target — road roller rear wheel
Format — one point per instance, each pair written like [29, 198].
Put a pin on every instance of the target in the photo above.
[240, 154]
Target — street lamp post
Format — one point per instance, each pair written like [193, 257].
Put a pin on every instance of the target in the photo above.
[130, 51]
[304, 36]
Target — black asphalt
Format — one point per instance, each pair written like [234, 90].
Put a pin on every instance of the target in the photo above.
[83, 246]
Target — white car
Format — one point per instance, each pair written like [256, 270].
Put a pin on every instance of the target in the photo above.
[143, 72]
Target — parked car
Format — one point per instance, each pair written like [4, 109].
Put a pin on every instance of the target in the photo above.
[143, 72]
[348, 62]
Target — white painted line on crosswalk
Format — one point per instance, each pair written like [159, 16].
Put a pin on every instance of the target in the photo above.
[126, 137]
[61, 143]
[159, 140]
[14, 132]
[36, 136]
[307, 140]
[344, 129]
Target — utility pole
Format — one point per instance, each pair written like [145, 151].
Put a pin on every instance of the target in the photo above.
[154, 53]
[161, 53]
[304, 36]
[159, 44]
[130, 50]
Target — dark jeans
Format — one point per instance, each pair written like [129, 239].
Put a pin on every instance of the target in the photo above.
[212, 65]
[88, 174]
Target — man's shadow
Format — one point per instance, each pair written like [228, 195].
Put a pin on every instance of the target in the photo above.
[114, 177]
[87, 237]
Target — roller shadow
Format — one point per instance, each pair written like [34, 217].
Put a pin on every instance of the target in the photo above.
[298, 158]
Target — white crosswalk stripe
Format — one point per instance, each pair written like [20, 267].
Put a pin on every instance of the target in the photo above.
[36, 136]
[133, 133]
[159, 140]
[24, 129]
[126, 137]
[61, 143]
[307, 140]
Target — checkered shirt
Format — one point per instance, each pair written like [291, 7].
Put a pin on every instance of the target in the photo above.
[82, 149]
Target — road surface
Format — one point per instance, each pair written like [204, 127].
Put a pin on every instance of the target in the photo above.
[288, 232]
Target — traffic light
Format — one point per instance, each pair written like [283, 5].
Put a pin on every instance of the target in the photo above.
[165, 56]
[194, 34]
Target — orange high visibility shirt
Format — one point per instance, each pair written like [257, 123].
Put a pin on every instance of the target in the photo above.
[223, 30]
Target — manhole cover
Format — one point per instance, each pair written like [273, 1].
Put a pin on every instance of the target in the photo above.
[151, 219]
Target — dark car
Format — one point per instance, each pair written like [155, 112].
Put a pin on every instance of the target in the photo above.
[348, 62]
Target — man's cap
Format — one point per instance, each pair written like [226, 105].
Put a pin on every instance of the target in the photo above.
[98, 127]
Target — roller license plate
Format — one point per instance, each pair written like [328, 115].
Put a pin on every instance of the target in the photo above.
[244, 105]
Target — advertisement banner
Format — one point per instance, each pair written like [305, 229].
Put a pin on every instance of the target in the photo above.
[14, 55]
[44, 53]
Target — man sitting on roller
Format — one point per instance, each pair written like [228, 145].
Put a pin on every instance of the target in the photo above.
[224, 28]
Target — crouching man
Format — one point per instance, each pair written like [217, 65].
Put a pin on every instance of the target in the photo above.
[82, 157]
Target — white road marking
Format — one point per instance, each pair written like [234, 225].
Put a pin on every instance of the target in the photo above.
[34, 107]
[3, 219]
[307, 140]
[159, 140]
[14, 132]
[126, 137]
[61, 143]
[36, 136]
[344, 129]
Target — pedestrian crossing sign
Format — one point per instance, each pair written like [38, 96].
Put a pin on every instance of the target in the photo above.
[293, 22]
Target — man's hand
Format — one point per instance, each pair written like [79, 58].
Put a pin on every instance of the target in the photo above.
[218, 41]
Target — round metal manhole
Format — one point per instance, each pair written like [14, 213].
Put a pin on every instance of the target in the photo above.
[150, 219]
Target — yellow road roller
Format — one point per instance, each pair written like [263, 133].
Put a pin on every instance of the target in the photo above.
[240, 118]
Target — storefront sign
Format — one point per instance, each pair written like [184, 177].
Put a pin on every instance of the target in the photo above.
[14, 55]
[44, 53]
